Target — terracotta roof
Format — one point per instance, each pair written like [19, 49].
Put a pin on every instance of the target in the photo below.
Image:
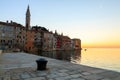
[12, 24]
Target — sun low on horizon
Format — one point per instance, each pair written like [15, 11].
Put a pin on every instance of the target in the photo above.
[104, 39]
[95, 22]
[100, 42]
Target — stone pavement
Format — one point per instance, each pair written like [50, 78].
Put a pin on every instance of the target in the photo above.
[22, 66]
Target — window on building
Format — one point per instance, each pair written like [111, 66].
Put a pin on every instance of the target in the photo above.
[30, 48]
[1, 41]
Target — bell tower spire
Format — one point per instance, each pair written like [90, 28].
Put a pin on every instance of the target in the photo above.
[27, 18]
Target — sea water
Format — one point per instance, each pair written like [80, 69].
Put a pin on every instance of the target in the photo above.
[106, 58]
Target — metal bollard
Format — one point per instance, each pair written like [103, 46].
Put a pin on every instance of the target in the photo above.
[41, 64]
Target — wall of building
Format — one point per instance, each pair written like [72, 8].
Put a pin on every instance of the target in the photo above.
[16, 36]
[29, 45]
[6, 36]
[0, 52]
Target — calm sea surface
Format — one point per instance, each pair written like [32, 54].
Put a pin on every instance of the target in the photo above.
[106, 58]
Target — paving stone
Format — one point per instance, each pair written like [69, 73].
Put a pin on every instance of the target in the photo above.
[26, 79]
[110, 74]
[62, 74]
[63, 70]
[15, 77]
[52, 76]
[72, 72]
[95, 71]
[86, 73]
[50, 79]
[75, 75]
[63, 78]
[6, 78]
[1, 78]
[92, 77]
[105, 79]
[78, 79]
[37, 78]
[67, 77]
[25, 75]
[32, 74]
[53, 72]
[117, 78]
[42, 74]
[60, 78]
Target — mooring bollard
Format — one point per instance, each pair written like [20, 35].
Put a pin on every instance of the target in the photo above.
[41, 64]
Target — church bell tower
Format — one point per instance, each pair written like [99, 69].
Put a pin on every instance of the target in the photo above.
[27, 18]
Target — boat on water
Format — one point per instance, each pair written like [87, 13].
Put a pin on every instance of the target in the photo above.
[85, 49]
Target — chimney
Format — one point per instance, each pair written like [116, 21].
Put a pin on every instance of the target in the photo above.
[7, 21]
[11, 21]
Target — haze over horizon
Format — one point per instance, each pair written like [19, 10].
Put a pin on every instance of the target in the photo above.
[95, 22]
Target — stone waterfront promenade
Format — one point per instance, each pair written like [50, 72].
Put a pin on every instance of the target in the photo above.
[22, 66]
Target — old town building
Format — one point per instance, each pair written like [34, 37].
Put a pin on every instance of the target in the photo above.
[14, 36]
[76, 44]
[66, 43]
[38, 38]
[29, 45]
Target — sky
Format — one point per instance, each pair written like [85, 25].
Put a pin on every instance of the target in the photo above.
[95, 22]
